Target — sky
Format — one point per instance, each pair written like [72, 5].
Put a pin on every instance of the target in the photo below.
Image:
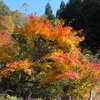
[33, 5]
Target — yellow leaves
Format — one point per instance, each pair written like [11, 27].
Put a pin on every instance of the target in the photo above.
[6, 24]
[8, 51]
[47, 78]
[42, 74]
[61, 50]
[25, 64]
[64, 36]
[46, 65]
[34, 64]
[68, 43]
[29, 43]
[54, 52]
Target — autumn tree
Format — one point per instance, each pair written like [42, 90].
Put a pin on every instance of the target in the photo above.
[49, 56]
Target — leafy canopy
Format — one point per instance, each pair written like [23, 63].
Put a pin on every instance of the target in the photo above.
[50, 55]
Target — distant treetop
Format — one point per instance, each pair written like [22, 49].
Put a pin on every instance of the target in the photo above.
[4, 9]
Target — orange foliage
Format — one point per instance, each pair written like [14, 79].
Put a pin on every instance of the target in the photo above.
[16, 66]
[64, 36]
[66, 63]
[65, 54]
[8, 49]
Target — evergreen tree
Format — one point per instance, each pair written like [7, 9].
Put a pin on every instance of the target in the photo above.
[84, 14]
[62, 7]
[91, 25]
[57, 13]
[48, 12]
[4, 9]
[72, 12]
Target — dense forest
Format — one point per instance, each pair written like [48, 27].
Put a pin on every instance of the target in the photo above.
[50, 57]
[83, 14]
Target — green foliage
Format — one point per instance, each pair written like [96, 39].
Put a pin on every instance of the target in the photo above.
[91, 21]
[88, 54]
[8, 97]
[24, 86]
[62, 7]
[4, 9]
[48, 12]
[17, 16]
[48, 9]
[84, 14]
[18, 19]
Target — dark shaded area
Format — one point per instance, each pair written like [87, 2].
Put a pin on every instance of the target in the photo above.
[83, 14]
